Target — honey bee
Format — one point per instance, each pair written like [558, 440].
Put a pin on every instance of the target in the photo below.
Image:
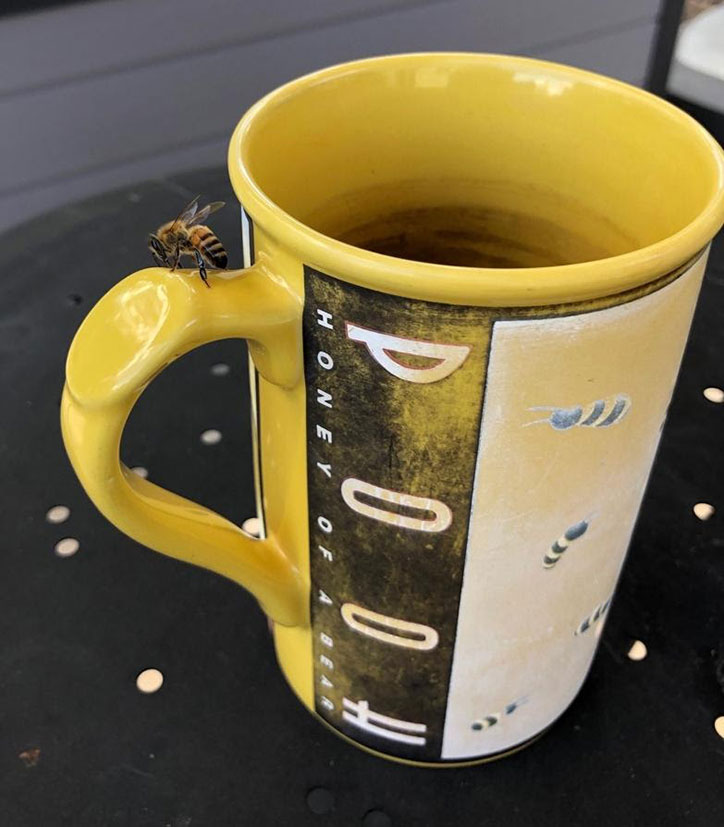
[599, 414]
[187, 235]
[561, 544]
[594, 617]
[492, 720]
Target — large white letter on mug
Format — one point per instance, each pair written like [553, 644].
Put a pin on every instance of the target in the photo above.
[444, 359]
[442, 519]
[389, 629]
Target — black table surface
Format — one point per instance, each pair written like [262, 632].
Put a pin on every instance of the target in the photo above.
[224, 741]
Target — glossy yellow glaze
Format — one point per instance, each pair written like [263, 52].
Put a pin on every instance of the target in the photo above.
[633, 174]
[144, 323]
[532, 135]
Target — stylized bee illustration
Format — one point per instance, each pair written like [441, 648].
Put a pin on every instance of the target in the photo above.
[187, 235]
[598, 414]
[595, 616]
[561, 544]
[491, 720]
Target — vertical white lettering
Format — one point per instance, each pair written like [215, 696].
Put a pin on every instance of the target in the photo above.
[324, 319]
[326, 553]
[324, 524]
[327, 468]
[326, 640]
[444, 359]
[324, 398]
[324, 597]
[325, 681]
[389, 629]
[326, 703]
[360, 715]
[325, 360]
[442, 514]
[324, 433]
[327, 662]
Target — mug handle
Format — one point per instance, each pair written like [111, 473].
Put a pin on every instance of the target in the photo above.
[141, 325]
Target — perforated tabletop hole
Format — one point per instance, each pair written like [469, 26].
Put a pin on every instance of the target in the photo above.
[703, 510]
[220, 369]
[252, 526]
[148, 681]
[638, 650]
[320, 800]
[67, 547]
[57, 514]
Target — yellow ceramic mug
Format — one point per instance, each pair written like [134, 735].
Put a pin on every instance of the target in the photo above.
[452, 450]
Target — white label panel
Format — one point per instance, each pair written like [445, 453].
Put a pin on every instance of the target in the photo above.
[571, 422]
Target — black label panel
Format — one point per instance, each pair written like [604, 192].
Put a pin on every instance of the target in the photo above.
[394, 391]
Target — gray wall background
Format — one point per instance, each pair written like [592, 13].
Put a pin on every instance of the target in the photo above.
[101, 95]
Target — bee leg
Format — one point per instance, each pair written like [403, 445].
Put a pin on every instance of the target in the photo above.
[160, 262]
[157, 251]
[176, 258]
[202, 268]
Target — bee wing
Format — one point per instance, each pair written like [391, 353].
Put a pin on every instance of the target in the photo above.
[206, 211]
[188, 213]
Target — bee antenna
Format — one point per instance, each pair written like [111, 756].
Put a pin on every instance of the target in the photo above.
[535, 422]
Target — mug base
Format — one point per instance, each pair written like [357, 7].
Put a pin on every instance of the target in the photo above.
[452, 764]
[431, 765]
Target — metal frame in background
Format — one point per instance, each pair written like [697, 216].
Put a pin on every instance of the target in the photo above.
[662, 54]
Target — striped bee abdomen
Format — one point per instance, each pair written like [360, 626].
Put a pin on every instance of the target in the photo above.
[599, 414]
[593, 618]
[561, 544]
[210, 247]
[491, 720]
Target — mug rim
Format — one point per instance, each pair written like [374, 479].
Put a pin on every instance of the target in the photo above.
[482, 286]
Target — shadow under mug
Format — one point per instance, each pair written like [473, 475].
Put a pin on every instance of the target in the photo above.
[469, 281]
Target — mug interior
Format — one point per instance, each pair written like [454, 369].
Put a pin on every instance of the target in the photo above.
[479, 161]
